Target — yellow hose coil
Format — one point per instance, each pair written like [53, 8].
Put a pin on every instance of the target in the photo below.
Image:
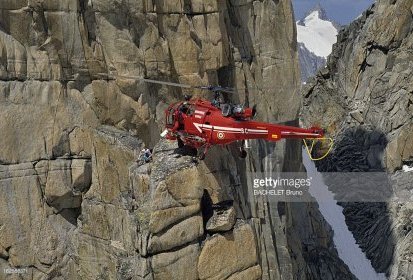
[313, 141]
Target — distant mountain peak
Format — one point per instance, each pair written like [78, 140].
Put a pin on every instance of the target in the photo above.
[321, 14]
[317, 32]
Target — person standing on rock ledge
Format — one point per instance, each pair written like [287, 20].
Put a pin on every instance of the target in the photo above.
[145, 156]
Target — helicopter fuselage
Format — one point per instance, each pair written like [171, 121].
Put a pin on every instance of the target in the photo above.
[199, 123]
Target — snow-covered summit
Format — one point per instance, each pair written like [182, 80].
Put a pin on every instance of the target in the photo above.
[322, 14]
[317, 32]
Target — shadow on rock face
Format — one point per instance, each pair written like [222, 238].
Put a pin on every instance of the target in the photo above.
[186, 151]
[358, 149]
[206, 207]
[358, 153]
[71, 214]
[68, 206]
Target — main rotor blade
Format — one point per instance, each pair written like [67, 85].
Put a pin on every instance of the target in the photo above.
[156, 81]
[167, 83]
[229, 90]
[217, 88]
[211, 88]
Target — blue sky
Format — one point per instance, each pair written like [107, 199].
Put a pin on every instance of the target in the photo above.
[341, 11]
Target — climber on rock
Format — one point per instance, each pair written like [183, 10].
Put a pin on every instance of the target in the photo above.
[146, 155]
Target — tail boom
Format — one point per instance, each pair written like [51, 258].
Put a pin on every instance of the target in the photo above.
[274, 132]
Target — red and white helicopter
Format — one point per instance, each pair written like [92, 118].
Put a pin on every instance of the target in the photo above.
[200, 124]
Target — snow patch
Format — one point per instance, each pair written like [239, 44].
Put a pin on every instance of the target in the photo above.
[316, 34]
[344, 241]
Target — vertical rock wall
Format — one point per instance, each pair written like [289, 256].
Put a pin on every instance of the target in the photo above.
[75, 205]
[365, 99]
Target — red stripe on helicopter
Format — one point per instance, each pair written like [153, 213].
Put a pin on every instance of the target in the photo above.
[199, 112]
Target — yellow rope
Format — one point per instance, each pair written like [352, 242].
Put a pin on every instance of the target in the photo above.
[309, 150]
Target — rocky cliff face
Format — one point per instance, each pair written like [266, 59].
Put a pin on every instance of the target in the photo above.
[75, 205]
[365, 99]
[309, 62]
